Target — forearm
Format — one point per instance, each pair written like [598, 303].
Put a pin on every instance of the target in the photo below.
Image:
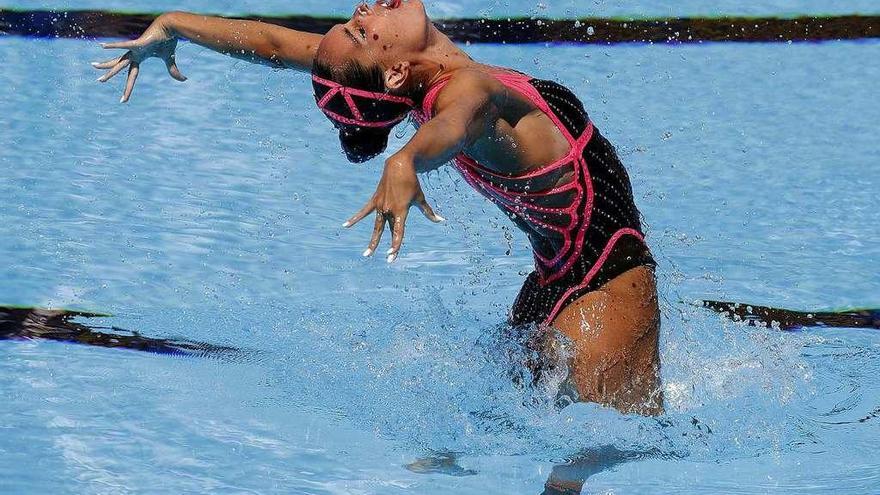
[436, 143]
[253, 41]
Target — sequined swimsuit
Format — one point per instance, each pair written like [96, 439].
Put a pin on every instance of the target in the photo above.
[578, 211]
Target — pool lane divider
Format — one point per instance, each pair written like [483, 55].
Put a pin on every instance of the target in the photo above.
[22, 323]
[88, 24]
[786, 319]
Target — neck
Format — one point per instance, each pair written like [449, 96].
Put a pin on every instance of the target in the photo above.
[440, 58]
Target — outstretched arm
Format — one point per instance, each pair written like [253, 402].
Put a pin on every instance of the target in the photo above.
[253, 41]
[248, 40]
[463, 110]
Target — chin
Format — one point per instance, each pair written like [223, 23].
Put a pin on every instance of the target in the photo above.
[411, 23]
[410, 8]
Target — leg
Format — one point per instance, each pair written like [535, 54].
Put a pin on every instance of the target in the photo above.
[615, 331]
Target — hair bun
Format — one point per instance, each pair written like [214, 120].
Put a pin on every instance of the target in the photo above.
[363, 143]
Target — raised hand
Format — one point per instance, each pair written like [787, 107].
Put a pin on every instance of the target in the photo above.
[157, 41]
[397, 190]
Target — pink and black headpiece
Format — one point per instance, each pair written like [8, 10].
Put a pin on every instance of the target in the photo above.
[358, 107]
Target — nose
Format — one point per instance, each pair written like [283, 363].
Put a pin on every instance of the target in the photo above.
[362, 9]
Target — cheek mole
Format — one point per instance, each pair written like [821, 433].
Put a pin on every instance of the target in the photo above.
[375, 37]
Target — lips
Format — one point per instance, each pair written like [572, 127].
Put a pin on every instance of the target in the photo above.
[392, 4]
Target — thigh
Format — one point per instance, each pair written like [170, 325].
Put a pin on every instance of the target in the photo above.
[615, 331]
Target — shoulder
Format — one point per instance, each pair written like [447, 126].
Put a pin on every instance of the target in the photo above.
[473, 88]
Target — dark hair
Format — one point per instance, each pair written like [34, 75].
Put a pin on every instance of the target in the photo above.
[359, 143]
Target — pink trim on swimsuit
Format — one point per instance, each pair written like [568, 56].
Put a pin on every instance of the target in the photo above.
[519, 203]
[593, 271]
[336, 88]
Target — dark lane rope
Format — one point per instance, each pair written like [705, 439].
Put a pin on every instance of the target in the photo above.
[102, 24]
[40, 324]
[787, 319]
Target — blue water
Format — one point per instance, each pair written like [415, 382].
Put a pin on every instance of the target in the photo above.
[210, 211]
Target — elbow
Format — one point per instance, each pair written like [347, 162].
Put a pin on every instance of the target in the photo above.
[276, 52]
[171, 16]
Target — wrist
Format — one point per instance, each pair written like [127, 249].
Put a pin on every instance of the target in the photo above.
[169, 22]
[400, 163]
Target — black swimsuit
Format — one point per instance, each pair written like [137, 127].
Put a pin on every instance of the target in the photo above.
[578, 212]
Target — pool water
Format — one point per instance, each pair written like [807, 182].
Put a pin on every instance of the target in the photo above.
[211, 211]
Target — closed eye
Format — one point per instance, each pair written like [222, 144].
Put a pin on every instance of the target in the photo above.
[351, 36]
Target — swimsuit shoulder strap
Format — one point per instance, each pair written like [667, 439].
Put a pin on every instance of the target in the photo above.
[425, 113]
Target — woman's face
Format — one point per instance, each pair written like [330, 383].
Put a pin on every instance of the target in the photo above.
[385, 33]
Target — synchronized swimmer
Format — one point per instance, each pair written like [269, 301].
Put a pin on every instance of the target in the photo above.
[526, 144]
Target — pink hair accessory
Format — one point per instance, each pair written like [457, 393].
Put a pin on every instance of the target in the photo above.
[358, 120]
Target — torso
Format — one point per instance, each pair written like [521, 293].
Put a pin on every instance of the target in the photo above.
[545, 165]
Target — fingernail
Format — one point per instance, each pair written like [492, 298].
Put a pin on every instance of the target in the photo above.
[391, 250]
[346, 225]
[391, 258]
[94, 64]
[440, 219]
[368, 253]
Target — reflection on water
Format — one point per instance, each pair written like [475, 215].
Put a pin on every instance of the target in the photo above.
[441, 463]
[565, 479]
[58, 325]
[569, 478]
